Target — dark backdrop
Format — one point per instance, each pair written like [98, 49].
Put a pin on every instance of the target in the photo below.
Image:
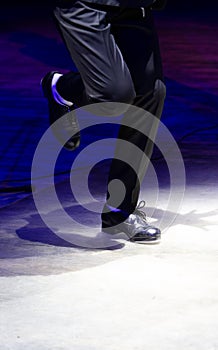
[195, 8]
[194, 5]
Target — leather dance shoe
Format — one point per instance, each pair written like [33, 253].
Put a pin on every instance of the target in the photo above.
[57, 110]
[136, 229]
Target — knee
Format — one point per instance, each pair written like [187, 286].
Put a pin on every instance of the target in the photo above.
[159, 91]
[120, 91]
[119, 95]
[154, 101]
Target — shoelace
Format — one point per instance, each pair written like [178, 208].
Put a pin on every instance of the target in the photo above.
[140, 212]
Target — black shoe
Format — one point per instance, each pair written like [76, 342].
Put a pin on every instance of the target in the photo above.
[136, 228]
[57, 110]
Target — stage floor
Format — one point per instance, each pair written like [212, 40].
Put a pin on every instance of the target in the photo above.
[60, 294]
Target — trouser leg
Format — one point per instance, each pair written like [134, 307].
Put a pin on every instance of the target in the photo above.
[118, 60]
[144, 62]
[103, 71]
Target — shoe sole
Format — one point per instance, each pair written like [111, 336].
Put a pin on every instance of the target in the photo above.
[157, 241]
[112, 233]
[43, 82]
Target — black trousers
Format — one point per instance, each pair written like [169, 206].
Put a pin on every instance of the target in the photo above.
[117, 54]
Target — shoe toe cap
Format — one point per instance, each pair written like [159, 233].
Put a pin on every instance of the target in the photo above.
[149, 234]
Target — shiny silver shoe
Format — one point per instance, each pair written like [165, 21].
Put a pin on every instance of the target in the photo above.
[136, 228]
